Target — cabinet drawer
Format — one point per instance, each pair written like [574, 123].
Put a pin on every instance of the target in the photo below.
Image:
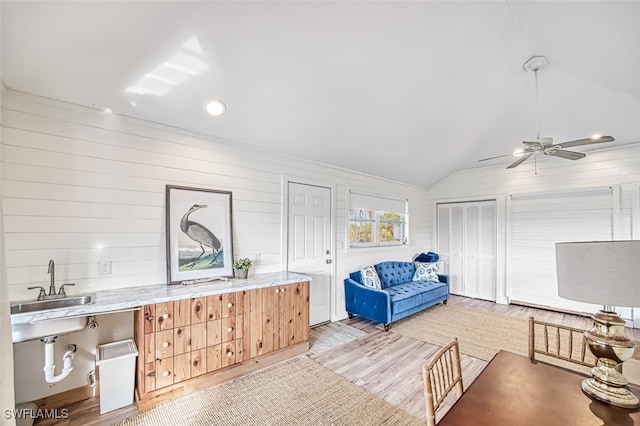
[198, 310]
[228, 305]
[149, 354]
[181, 312]
[164, 344]
[164, 372]
[181, 367]
[228, 329]
[214, 332]
[181, 339]
[198, 362]
[164, 316]
[150, 376]
[228, 353]
[214, 357]
[214, 307]
[198, 336]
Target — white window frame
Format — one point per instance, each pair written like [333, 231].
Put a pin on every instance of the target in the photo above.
[380, 204]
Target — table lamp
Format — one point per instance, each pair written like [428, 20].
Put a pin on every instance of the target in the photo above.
[607, 273]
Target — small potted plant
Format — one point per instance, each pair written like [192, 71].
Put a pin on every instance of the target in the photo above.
[241, 267]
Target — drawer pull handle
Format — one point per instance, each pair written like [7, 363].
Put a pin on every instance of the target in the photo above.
[283, 290]
[277, 290]
[198, 308]
[165, 316]
[229, 330]
[165, 345]
[229, 354]
[229, 305]
[165, 374]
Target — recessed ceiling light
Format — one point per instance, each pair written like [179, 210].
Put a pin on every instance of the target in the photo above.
[216, 107]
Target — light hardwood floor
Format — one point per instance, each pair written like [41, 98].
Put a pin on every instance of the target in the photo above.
[386, 364]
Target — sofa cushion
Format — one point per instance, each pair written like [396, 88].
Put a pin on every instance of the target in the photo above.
[394, 273]
[426, 272]
[370, 277]
[411, 294]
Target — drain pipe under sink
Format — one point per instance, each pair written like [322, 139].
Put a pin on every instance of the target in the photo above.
[50, 367]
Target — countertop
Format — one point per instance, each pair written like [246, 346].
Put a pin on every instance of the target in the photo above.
[131, 297]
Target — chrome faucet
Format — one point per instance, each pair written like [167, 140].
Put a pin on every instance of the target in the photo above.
[52, 287]
[52, 271]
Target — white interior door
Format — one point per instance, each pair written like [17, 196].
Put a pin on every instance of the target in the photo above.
[467, 244]
[309, 244]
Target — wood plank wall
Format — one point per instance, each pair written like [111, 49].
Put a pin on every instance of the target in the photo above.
[600, 193]
[82, 186]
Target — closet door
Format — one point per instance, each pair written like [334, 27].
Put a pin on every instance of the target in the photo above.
[467, 245]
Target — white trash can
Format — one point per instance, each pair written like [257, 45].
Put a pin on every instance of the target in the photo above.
[117, 372]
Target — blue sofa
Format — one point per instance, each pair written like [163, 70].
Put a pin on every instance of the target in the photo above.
[399, 296]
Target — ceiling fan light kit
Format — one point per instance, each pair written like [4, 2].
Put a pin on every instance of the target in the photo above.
[545, 145]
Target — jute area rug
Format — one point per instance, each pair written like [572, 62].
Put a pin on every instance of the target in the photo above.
[480, 333]
[296, 392]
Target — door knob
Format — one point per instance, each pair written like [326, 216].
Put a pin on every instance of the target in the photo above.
[328, 261]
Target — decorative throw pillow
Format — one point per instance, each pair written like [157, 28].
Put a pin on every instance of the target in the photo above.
[370, 277]
[426, 272]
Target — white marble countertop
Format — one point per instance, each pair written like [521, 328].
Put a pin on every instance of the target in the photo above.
[126, 298]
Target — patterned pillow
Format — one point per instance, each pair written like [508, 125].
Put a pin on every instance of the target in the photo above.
[426, 272]
[370, 277]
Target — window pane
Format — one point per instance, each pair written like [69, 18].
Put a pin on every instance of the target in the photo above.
[361, 232]
[391, 227]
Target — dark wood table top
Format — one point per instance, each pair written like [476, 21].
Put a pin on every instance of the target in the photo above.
[515, 391]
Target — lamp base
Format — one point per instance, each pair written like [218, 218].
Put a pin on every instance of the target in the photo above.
[617, 396]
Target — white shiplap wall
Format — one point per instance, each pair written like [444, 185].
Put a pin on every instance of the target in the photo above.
[80, 186]
[6, 357]
[559, 185]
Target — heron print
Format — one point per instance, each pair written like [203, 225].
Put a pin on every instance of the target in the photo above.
[199, 234]
[204, 238]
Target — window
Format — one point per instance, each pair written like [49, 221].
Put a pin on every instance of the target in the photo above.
[377, 221]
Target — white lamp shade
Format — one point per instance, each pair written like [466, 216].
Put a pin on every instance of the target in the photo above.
[599, 272]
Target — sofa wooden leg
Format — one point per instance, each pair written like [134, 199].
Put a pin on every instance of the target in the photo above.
[350, 314]
[444, 302]
[386, 327]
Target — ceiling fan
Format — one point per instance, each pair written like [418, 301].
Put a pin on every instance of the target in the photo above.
[545, 145]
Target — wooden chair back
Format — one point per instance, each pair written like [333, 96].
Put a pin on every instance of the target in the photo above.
[441, 375]
[558, 341]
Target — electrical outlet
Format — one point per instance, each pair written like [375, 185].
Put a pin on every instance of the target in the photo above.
[104, 267]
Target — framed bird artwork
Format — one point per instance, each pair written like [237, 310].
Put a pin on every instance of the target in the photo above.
[199, 234]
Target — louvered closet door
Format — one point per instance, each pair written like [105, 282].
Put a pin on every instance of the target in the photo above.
[537, 223]
[467, 245]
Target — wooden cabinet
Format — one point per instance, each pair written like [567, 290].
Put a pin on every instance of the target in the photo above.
[184, 340]
[280, 317]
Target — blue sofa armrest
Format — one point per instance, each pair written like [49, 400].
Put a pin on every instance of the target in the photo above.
[367, 302]
[443, 278]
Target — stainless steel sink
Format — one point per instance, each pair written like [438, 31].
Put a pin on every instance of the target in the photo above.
[46, 328]
[41, 305]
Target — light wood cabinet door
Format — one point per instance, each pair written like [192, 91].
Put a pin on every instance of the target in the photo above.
[198, 310]
[184, 339]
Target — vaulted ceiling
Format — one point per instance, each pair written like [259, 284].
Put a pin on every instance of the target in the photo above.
[409, 91]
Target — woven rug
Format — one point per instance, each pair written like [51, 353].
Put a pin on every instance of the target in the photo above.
[480, 333]
[296, 392]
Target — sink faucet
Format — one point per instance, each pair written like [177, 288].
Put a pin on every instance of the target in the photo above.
[52, 271]
[52, 287]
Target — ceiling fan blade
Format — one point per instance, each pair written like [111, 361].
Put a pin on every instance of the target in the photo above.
[587, 141]
[519, 161]
[493, 158]
[569, 155]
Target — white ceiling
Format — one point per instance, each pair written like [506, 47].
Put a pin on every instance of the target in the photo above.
[409, 91]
